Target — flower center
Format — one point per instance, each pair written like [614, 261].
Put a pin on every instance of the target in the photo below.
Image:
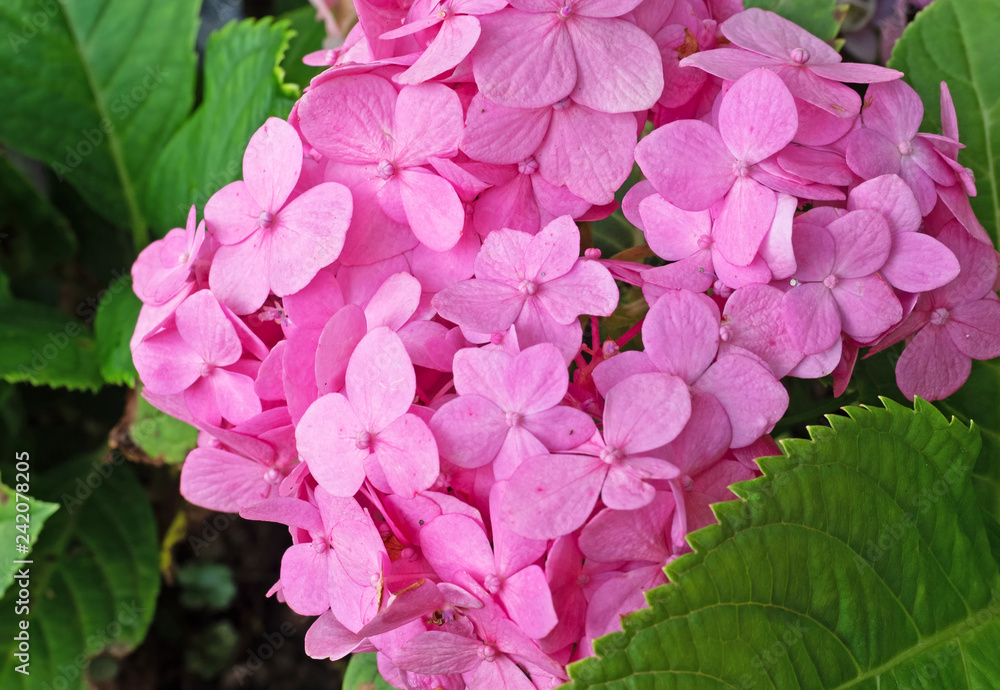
[611, 455]
[725, 333]
[565, 11]
[319, 544]
[583, 580]
[492, 584]
[528, 166]
[609, 348]
[561, 105]
[496, 338]
[800, 56]
[364, 440]
[272, 476]
[527, 287]
[687, 483]
[487, 653]
[514, 419]
[385, 169]
[183, 258]
[939, 316]
[265, 219]
[741, 168]
[905, 148]
[704, 242]
[592, 254]
[830, 281]
[207, 369]
[374, 579]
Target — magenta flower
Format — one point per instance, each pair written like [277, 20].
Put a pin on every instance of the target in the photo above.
[382, 140]
[539, 52]
[693, 165]
[836, 286]
[196, 355]
[167, 267]
[271, 244]
[342, 436]
[537, 283]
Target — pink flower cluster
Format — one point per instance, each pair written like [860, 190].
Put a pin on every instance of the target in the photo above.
[380, 329]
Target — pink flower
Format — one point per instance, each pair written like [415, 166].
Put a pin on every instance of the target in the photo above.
[270, 244]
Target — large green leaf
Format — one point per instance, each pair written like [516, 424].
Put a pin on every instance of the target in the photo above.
[818, 17]
[45, 347]
[362, 674]
[955, 41]
[94, 88]
[20, 527]
[309, 35]
[114, 324]
[161, 437]
[859, 560]
[243, 87]
[95, 575]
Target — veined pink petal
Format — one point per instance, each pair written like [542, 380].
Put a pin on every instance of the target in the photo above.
[234, 395]
[364, 106]
[931, 366]
[469, 430]
[536, 379]
[481, 372]
[753, 398]
[502, 256]
[671, 232]
[394, 303]
[337, 341]
[587, 289]
[518, 445]
[239, 275]
[811, 316]
[626, 488]
[552, 252]
[645, 411]
[862, 242]
[688, 163]
[380, 381]
[272, 163]
[308, 235]
[870, 154]
[744, 221]
[550, 496]
[232, 213]
[455, 40]
[705, 438]
[776, 248]
[526, 596]
[497, 134]
[681, 334]
[974, 328]
[327, 439]
[413, 27]
[205, 328]
[438, 652]
[223, 481]
[868, 307]
[757, 117]
[856, 73]
[452, 543]
[604, 8]
[524, 60]
[609, 79]
[611, 371]
[891, 197]
[919, 263]
[560, 428]
[535, 325]
[770, 34]
[166, 363]
[408, 455]
[893, 110]
[373, 236]
[433, 209]
[482, 305]
[830, 96]
[293, 512]
[728, 63]
[753, 322]
[328, 639]
[629, 535]
[427, 123]
[304, 580]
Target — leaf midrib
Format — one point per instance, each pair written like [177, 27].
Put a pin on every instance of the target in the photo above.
[140, 232]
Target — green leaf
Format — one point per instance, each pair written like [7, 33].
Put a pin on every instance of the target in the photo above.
[45, 347]
[25, 523]
[243, 87]
[955, 41]
[94, 580]
[34, 235]
[362, 674]
[117, 314]
[161, 436]
[206, 586]
[309, 35]
[94, 88]
[979, 400]
[859, 560]
[818, 17]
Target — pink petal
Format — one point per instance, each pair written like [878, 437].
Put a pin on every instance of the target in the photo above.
[469, 430]
[326, 437]
[550, 496]
[688, 164]
[618, 368]
[433, 209]
[272, 163]
[671, 232]
[481, 305]
[205, 328]
[524, 60]
[438, 652]
[560, 428]
[856, 73]
[704, 439]
[868, 307]
[745, 219]
[862, 242]
[536, 379]
[222, 481]
[777, 249]
[337, 341]
[394, 303]
[611, 80]
[518, 445]
[629, 535]
[753, 321]
[681, 334]
[919, 263]
[328, 639]
[870, 154]
[891, 197]
[364, 105]
[231, 213]
[380, 381]
[645, 411]
[239, 275]
[728, 63]
[166, 363]
[452, 543]
[974, 328]
[931, 366]
[811, 316]
[752, 397]
[587, 289]
[535, 325]
[497, 134]
[234, 394]
[528, 601]
[455, 40]
[769, 34]
[428, 122]
[304, 580]
[894, 110]
[408, 455]
[757, 117]
[481, 372]
[551, 253]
